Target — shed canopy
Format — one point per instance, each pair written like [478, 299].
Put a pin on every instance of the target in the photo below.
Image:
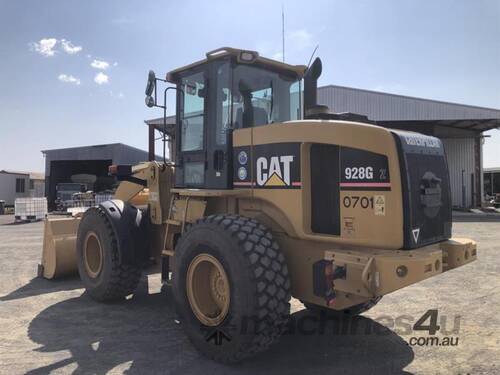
[471, 125]
[158, 124]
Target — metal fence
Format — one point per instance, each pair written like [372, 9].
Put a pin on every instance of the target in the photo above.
[81, 205]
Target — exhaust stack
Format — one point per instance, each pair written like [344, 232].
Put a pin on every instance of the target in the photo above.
[311, 107]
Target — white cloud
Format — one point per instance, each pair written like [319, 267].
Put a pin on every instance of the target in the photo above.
[99, 64]
[69, 47]
[45, 47]
[300, 39]
[101, 78]
[69, 79]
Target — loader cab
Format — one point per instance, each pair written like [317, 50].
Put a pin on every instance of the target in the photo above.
[229, 90]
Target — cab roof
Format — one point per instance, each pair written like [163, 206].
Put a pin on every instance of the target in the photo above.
[243, 57]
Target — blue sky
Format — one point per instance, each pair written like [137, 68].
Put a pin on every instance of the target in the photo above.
[84, 83]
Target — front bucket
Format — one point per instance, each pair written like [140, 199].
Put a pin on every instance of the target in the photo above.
[59, 247]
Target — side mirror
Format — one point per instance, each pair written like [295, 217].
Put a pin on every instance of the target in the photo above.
[151, 83]
[150, 101]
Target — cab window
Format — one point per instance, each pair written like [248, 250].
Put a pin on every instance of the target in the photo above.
[263, 97]
[192, 112]
[223, 103]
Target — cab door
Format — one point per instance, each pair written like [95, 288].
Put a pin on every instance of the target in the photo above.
[219, 132]
[191, 130]
[204, 118]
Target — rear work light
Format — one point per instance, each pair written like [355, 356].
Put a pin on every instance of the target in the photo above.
[248, 56]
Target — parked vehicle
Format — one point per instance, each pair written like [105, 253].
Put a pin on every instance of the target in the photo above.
[65, 192]
[496, 200]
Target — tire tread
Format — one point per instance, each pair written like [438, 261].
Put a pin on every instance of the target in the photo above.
[123, 278]
[269, 273]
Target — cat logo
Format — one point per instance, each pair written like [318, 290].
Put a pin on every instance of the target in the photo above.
[274, 171]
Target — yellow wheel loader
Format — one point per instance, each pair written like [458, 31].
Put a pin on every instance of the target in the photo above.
[265, 195]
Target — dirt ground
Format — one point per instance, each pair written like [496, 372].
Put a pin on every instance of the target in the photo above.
[53, 326]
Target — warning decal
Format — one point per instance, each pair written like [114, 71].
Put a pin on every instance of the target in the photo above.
[379, 205]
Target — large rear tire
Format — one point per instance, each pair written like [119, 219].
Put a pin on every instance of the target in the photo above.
[231, 287]
[104, 278]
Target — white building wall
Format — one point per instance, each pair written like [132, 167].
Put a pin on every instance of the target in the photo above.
[461, 157]
[8, 187]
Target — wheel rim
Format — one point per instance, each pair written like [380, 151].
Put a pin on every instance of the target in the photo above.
[92, 255]
[208, 289]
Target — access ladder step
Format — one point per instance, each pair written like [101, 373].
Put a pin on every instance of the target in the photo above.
[167, 253]
[174, 222]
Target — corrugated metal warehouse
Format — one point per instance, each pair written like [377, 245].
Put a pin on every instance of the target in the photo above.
[61, 164]
[459, 126]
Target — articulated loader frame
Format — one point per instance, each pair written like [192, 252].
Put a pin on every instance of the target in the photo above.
[339, 228]
[331, 209]
[361, 273]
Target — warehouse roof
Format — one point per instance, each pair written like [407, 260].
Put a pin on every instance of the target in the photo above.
[5, 171]
[381, 106]
[92, 146]
[466, 124]
[117, 152]
[32, 175]
[491, 170]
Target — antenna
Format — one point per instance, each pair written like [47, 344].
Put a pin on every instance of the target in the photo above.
[283, 30]
[315, 49]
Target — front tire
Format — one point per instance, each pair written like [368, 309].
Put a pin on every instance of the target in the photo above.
[104, 278]
[231, 287]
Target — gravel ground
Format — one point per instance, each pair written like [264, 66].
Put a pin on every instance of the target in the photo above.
[53, 326]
